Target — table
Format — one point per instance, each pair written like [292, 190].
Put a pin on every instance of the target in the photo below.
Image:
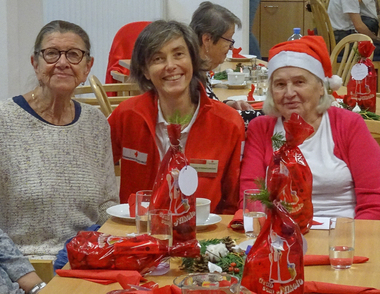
[366, 274]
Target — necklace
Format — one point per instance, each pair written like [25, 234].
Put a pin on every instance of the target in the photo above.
[72, 113]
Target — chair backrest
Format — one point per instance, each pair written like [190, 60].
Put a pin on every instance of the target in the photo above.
[342, 63]
[325, 3]
[122, 47]
[44, 269]
[323, 24]
[123, 90]
[374, 129]
[101, 95]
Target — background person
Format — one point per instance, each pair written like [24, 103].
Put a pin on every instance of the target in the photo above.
[343, 157]
[215, 27]
[56, 170]
[167, 67]
[350, 16]
[17, 275]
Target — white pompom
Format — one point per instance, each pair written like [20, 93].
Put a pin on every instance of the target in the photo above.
[334, 83]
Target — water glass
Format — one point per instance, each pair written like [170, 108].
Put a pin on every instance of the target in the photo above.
[142, 206]
[341, 242]
[208, 283]
[160, 226]
[253, 215]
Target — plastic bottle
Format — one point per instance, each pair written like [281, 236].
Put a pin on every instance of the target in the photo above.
[296, 34]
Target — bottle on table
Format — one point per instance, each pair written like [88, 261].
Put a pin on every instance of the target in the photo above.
[296, 34]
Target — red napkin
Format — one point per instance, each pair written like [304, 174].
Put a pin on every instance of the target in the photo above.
[328, 288]
[237, 221]
[235, 53]
[104, 277]
[324, 259]
[257, 105]
[132, 205]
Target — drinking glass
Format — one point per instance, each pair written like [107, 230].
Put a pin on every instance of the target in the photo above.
[208, 283]
[253, 216]
[142, 206]
[160, 226]
[341, 242]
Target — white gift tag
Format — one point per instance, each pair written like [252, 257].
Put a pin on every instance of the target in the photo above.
[188, 180]
[359, 71]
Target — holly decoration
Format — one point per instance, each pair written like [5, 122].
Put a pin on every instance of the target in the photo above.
[232, 263]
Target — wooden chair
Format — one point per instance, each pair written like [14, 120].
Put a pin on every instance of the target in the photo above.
[124, 91]
[342, 64]
[322, 23]
[374, 129]
[44, 269]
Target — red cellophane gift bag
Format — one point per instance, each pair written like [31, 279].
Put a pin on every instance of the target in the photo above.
[289, 177]
[275, 262]
[361, 88]
[167, 194]
[95, 250]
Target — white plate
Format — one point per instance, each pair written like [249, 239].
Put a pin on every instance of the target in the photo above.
[215, 82]
[212, 220]
[246, 57]
[120, 210]
[244, 98]
[243, 245]
[242, 86]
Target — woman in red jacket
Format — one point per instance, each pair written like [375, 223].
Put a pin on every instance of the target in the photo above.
[166, 65]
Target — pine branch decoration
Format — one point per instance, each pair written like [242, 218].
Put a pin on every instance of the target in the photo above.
[277, 141]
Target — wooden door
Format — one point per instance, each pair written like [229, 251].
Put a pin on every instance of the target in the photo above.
[277, 20]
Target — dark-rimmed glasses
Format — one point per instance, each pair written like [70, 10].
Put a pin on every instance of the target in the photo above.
[229, 40]
[52, 55]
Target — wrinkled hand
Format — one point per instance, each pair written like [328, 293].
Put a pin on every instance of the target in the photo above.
[239, 105]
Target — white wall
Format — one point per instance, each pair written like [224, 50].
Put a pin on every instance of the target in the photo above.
[21, 20]
[182, 10]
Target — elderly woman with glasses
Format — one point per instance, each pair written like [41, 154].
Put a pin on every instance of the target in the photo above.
[215, 27]
[56, 170]
[166, 65]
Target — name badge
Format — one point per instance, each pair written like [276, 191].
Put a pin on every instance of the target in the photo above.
[135, 155]
[205, 167]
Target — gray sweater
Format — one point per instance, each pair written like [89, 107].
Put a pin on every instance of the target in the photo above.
[54, 180]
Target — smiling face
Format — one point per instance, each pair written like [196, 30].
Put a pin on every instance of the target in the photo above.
[217, 52]
[170, 69]
[62, 76]
[296, 90]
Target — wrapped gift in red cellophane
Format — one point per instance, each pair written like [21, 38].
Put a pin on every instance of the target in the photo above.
[361, 88]
[167, 194]
[275, 262]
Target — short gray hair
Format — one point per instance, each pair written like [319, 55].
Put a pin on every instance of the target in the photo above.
[151, 40]
[212, 19]
[270, 109]
[62, 27]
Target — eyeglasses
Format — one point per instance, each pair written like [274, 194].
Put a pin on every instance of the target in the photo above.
[52, 55]
[229, 40]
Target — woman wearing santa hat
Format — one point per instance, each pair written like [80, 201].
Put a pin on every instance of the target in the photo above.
[342, 155]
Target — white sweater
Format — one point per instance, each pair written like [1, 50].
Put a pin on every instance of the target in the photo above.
[54, 180]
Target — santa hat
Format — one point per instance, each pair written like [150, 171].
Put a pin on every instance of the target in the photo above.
[310, 53]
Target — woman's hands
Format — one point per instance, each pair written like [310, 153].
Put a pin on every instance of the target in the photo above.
[239, 105]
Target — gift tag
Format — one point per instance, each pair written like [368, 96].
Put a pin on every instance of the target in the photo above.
[188, 180]
[359, 71]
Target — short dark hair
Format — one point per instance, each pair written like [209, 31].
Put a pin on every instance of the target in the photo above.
[152, 39]
[212, 19]
[61, 26]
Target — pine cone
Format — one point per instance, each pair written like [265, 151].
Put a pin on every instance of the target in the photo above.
[200, 265]
[229, 242]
